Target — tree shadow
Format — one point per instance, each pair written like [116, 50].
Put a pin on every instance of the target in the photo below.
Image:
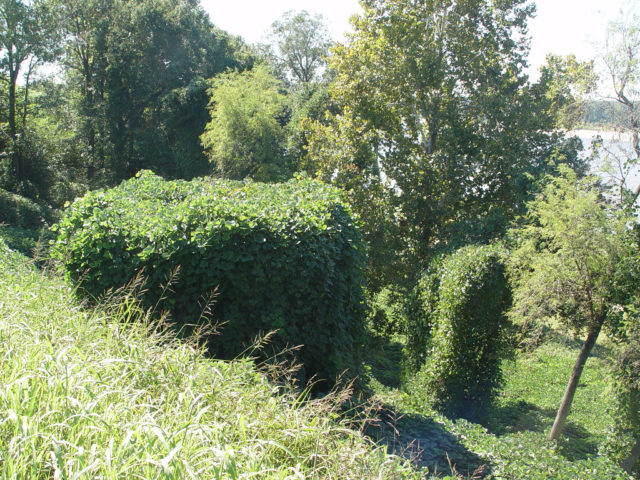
[517, 417]
[545, 334]
[426, 443]
[577, 443]
[385, 357]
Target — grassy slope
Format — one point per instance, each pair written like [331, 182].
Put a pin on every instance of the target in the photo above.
[95, 393]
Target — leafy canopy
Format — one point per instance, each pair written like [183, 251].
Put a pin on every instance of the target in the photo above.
[439, 128]
[302, 45]
[574, 259]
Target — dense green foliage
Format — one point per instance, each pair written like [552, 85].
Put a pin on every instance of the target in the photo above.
[386, 313]
[426, 120]
[131, 92]
[285, 256]
[23, 222]
[464, 303]
[29, 36]
[565, 82]
[624, 441]
[23, 212]
[421, 306]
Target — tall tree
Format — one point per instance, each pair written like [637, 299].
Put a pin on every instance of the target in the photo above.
[86, 25]
[28, 35]
[574, 261]
[245, 137]
[302, 45]
[438, 112]
[156, 48]
[140, 68]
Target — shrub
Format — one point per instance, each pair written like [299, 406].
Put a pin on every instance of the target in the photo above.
[625, 433]
[23, 221]
[285, 257]
[464, 298]
[22, 212]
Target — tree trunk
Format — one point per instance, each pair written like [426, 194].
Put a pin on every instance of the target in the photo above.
[13, 80]
[632, 459]
[16, 160]
[565, 405]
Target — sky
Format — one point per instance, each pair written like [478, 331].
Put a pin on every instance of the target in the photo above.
[252, 18]
[561, 26]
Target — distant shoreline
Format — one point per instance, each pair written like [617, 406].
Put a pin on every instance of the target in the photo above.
[605, 134]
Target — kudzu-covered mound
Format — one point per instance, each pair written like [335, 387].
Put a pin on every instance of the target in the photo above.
[285, 257]
[457, 330]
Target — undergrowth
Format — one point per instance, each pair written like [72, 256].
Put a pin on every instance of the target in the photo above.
[512, 443]
[106, 393]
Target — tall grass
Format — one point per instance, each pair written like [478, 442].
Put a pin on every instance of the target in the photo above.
[103, 393]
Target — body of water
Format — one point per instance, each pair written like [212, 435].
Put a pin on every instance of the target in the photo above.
[616, 149]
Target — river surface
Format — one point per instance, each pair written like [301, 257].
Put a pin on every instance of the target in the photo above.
[616, 148]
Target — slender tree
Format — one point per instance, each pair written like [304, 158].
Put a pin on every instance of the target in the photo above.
[245, 137]
[86, 25]
[574, 261]
[621, 64]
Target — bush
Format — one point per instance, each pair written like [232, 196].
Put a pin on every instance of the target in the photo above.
[23, 222]
[625, 433]
[22, 212]
[464, 298]
[285, 257]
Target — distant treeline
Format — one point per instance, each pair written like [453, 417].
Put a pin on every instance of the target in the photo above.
[604, 113]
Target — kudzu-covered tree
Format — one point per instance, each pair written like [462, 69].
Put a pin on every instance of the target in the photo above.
[457, 330]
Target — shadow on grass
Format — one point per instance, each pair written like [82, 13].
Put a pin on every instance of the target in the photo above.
[385, 357]
[518, 417]
[426, 443]
[547, 335]
[577, 443]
